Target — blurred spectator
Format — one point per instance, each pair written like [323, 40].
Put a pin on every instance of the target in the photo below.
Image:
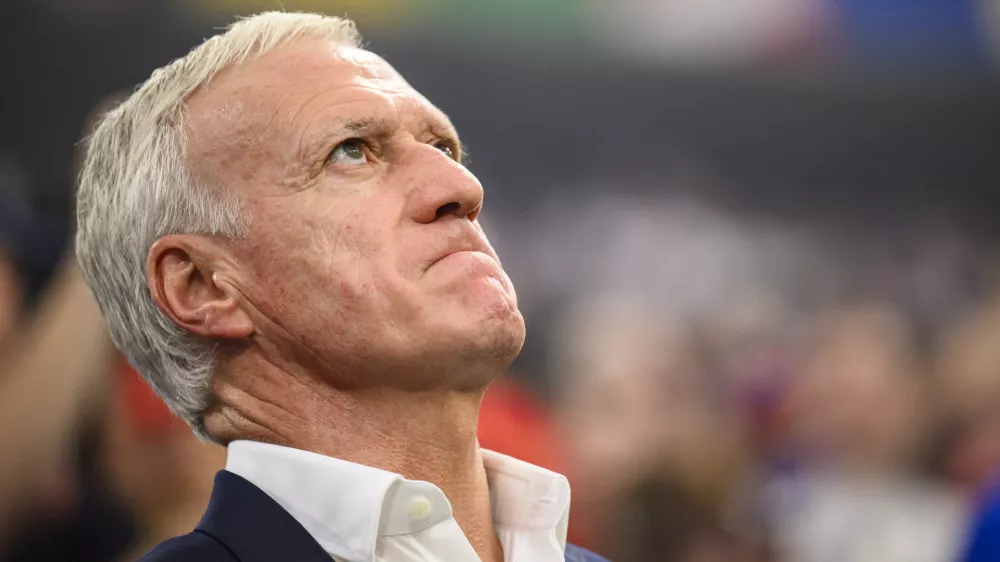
[96, 465]
[32, 245]
[153, 465]
[661, 521]
[860, 397]
[51, 361]
[51, 368]
[968, 383]
[714, 31]
[860, 419]
[10, 295]
[968, 379]
[645, 435]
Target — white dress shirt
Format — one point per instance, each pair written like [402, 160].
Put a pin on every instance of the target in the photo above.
[362, 514]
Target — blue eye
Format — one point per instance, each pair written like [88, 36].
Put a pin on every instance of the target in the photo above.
[351, 152]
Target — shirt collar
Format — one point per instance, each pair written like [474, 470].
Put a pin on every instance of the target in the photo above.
[346, 506]
[341, 504]
[527, 497]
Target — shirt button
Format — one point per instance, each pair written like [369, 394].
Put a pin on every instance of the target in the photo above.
[420, 508]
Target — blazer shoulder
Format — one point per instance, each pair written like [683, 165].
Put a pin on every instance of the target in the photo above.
[195, 546]
[577, 554]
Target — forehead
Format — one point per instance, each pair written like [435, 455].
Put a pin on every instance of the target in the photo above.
[293, 73]
[275, 102]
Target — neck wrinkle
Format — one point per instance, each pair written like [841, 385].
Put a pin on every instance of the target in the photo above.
[427, 435]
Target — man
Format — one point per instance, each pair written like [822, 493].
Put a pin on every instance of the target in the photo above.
[284, 242]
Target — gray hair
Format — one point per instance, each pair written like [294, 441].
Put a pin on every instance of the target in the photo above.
[136, 186]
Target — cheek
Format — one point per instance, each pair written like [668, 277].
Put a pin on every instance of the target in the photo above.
[327, 257]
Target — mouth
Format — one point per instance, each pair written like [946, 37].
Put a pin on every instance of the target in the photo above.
[466, 245]
[468, 265]
[464, 254]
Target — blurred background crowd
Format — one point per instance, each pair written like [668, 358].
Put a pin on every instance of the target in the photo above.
[755, 242]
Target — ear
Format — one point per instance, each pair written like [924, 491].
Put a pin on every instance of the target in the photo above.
[183, 273]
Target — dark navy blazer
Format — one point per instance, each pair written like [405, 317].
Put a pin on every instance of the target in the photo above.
[243, 524]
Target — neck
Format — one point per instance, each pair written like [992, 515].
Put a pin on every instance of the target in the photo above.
[422, 435]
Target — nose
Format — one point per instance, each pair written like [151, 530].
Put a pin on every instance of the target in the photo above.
[442, 188]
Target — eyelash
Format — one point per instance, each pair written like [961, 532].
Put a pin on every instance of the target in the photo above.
[454, 147]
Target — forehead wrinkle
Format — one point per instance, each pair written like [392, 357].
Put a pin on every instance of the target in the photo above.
[242, 105]
[231, 124]
[337, 121]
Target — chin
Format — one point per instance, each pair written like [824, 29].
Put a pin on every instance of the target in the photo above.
[480, 347]
[498, 324]
[499, 333]
[500, 339]
[470, 331]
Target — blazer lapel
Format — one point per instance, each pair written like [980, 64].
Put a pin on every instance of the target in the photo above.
[254, 527]
[577, 554]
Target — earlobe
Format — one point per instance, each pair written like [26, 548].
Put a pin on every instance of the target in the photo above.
[183, 283]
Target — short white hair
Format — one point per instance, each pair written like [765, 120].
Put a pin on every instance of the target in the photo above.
[136, 186]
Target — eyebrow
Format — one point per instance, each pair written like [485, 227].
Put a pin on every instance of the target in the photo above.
[364, 124]
[337, 130]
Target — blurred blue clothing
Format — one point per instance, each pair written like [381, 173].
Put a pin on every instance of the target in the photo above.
[984, 542]
[34, 244]
[924, 32]
[29, 239]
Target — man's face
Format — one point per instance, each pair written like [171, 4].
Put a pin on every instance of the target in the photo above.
[365, 260]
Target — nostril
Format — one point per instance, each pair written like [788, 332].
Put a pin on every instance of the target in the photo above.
[447, 209]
